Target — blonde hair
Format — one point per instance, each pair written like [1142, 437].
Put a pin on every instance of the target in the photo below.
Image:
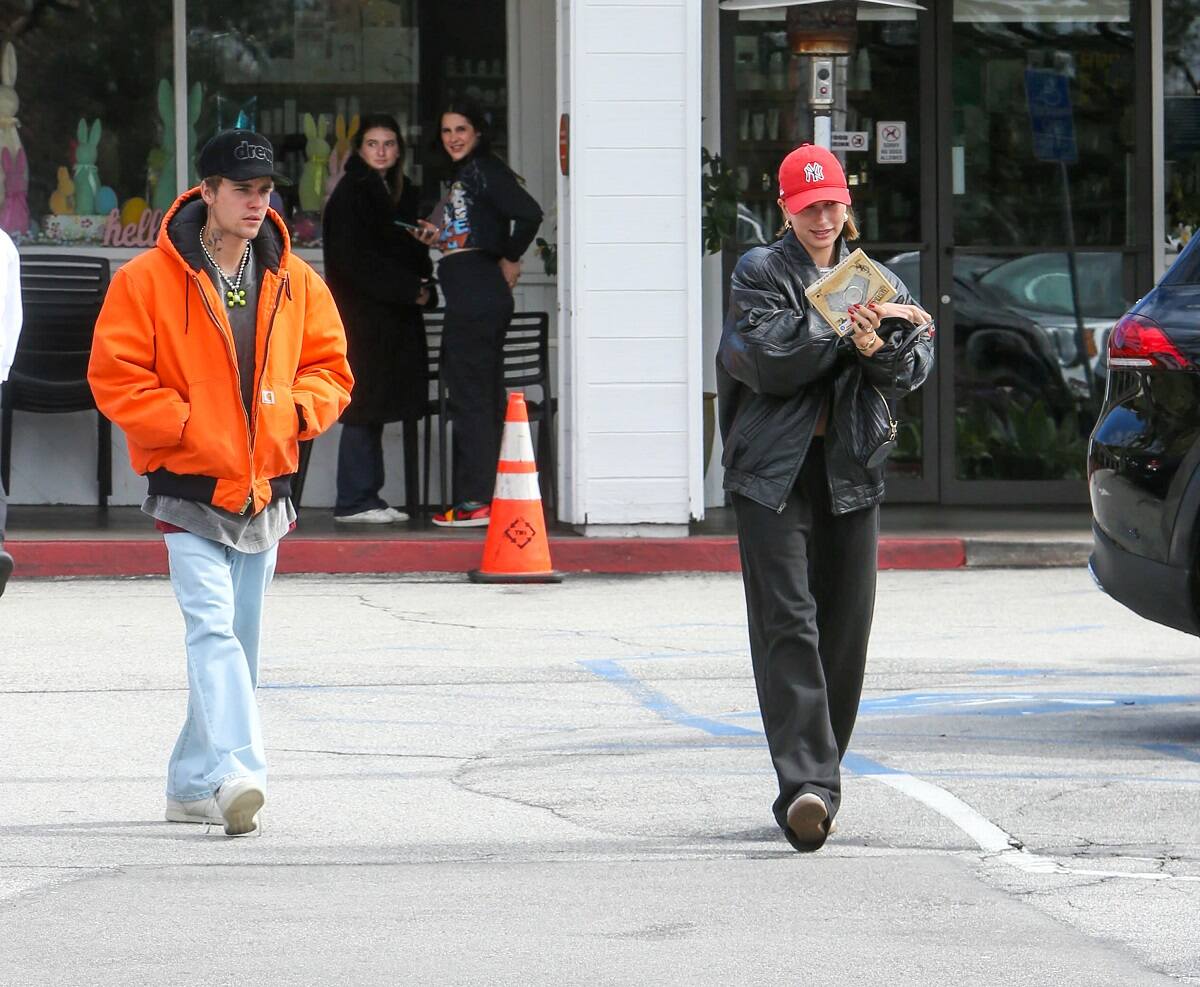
[849, 230]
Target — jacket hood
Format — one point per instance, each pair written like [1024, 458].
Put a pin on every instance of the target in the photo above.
[179, 234]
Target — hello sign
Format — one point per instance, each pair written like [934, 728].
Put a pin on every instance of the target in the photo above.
[143, 233]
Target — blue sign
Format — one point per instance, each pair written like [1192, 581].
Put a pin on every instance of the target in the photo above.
[1049, 97]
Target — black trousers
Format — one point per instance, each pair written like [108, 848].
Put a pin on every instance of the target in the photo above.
[809, 577]
[479, 307]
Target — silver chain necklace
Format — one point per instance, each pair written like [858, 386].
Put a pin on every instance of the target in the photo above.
[235, 294]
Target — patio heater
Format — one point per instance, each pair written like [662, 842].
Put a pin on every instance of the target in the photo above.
[821, 30]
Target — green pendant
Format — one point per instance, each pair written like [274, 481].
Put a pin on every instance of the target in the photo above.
[235, 296]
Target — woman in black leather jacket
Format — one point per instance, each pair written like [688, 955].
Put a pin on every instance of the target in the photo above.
[797, 402]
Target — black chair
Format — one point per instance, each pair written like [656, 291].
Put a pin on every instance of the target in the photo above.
[526, 359]
[435, 323]
[61, 296]
[526, 365]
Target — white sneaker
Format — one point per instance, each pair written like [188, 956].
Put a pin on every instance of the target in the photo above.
[375, 515]
[194, 811]
[396, 515]
[239, 800]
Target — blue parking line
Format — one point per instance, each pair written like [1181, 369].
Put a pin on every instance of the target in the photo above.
[657, 703]
[1175, 750]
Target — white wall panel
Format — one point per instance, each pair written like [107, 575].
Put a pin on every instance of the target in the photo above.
[635, 171]
[633, 455]
[635, 219]
[622, 312]
[634, 28]
[650, 501]
[634, 266]
[635, 123]
[653, 77]
[633, 191]
[647, 407]
[632, 361]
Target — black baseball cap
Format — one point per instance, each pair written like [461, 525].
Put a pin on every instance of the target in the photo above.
[238, 155]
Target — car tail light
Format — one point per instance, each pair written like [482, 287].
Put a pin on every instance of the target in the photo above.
[1136, 341]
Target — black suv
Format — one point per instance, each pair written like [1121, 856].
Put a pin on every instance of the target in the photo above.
[1144, 455]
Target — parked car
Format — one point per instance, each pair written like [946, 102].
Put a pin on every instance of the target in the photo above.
[1144, 453]
[1001, 354]
[1038, 286]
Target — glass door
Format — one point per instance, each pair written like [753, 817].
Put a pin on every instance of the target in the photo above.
[856, 76]
[1039, 185]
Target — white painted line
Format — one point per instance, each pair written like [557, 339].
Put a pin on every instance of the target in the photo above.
[994, 840]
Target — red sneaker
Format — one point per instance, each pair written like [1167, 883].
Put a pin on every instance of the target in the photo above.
[468, 515]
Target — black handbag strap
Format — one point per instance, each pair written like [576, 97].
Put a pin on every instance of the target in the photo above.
[904, 345]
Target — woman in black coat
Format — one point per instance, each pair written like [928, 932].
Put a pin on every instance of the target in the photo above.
[381, 280]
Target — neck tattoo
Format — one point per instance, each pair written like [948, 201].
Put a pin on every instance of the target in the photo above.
[235, 294]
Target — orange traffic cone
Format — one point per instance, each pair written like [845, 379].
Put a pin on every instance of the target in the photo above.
[517, 549]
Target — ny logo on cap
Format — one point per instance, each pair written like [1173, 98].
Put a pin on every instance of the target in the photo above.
[813, 172]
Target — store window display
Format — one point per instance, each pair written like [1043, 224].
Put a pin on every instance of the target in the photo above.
[88, 106]
[82, 143]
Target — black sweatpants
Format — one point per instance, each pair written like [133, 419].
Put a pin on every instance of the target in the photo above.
[479, 307]
[809, 577]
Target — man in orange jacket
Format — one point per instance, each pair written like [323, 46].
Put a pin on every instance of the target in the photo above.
[216, 352]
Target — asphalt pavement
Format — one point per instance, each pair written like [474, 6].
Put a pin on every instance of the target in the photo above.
[569, 785]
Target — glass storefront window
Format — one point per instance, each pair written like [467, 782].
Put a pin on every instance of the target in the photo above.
[88, 145]
[1028, 370]
[301, 71]
[874, 87]
[1181, 125]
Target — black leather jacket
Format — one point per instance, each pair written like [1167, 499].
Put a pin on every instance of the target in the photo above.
[779, 362]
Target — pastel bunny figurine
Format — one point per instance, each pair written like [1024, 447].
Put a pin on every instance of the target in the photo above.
[9, 104]
[87, 176]
[337, 168]
[62, 199]
[14, 214]
[312, 177]
[345, 136]
[165, 191]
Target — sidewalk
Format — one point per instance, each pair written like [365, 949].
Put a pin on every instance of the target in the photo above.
[49, 542]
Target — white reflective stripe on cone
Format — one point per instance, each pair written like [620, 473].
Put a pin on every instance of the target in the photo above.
[517, 486]
[516, 443]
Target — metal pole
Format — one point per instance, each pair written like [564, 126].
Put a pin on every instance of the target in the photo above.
[183, 164]
[1073, 268]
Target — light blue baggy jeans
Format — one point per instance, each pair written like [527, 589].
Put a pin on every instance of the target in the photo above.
[220, 591]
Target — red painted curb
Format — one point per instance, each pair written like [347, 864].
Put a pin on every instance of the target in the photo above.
[148, 556]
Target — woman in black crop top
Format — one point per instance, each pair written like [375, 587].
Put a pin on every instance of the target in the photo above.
[483, 225]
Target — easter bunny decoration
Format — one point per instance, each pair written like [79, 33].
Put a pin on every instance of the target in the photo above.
[345, 135]
[14, 214]
[87, 176]
[62, 199]
[9, 104]
[312, 177]
[165, 189]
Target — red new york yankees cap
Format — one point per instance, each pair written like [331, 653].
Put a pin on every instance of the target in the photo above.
[811, 174]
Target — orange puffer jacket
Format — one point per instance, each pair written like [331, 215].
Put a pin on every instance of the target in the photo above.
[164, 368]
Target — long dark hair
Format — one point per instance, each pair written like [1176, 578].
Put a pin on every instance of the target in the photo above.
[394, 177]
[476, 117]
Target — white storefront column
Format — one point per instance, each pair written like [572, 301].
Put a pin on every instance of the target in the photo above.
[630, 360]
